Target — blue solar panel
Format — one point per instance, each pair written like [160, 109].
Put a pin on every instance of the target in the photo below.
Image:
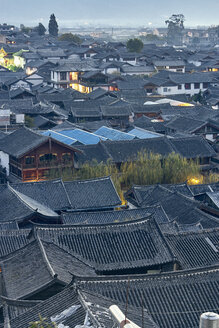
[59, 137]
[113, 134]
[143, 134]
[84, 137]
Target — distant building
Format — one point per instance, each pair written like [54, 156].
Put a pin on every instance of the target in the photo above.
[6, 28]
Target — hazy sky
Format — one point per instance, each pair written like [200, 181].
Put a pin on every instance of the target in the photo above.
[111, 12]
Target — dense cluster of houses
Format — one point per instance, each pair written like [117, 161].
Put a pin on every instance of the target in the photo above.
[71, 249]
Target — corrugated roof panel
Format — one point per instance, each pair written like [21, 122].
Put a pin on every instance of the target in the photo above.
[60, 137]
[113, 134]
[84, 137]
[143, 134]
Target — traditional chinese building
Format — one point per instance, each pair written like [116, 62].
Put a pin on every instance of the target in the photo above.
[30, 156]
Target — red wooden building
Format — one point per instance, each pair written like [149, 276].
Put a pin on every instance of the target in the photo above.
[30, 156]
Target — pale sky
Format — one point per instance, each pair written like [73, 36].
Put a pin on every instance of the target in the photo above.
[108, 12]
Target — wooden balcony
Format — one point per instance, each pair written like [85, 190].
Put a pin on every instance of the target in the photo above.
[15, 163]
[47, 165]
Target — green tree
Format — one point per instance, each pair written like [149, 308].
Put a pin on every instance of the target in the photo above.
[70, 37]
[41, 30]
[25, 29]
[13, 68]
[134, 45]
[199, 98]
[53, 26]
[29, 121]
[177, 169]
[42, 323]
[175, 29]
[150, 37]
[146, 169]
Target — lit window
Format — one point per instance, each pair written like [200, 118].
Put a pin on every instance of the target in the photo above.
[48, 157]
[66, 157]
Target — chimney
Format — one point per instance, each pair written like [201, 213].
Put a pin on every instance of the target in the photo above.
[119, 318]
[209, 320]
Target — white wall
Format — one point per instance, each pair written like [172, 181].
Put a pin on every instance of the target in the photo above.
[173, 90]
[210, 137]
[55, 78]
[111, 70]
[20, 84]
[132, 62]
[4, 158]
[195, 62]
[19, 118]
[74, 56]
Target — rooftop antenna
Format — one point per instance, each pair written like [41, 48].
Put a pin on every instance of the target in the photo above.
[127, 297]
[142, 306]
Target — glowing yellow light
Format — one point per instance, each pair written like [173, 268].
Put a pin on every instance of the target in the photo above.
[185, 104]
[193, 181]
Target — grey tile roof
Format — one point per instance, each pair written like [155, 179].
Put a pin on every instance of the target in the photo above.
[2, 134]
[156, 108]
[38, 265]
[167, 62]
[21, 141]
[194, 147]
[92, 194]
[31, 270]
[180, 78]
[203, 188]
[116, 111]
[195, 249]
[106, 216]
[79, 302]
[11, 241]
[75, 195]
[134, 245]
[22, 104]
[184, 124]
[92, 152]
[14, 308]
[7, 226]
[98, 307]
[172, 299]
[214, 196]
[49, 193]
[16, 206]
[39, 121]
[200, 112]
[179, 208]
[92, 126]
[86, 113]
[166, 78]
[52, 307]
[182, 188]
[136, 96]
[145, 123]
[122, 151]
[133, 83]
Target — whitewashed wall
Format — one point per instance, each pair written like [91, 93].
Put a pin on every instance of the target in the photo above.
[4, 159]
